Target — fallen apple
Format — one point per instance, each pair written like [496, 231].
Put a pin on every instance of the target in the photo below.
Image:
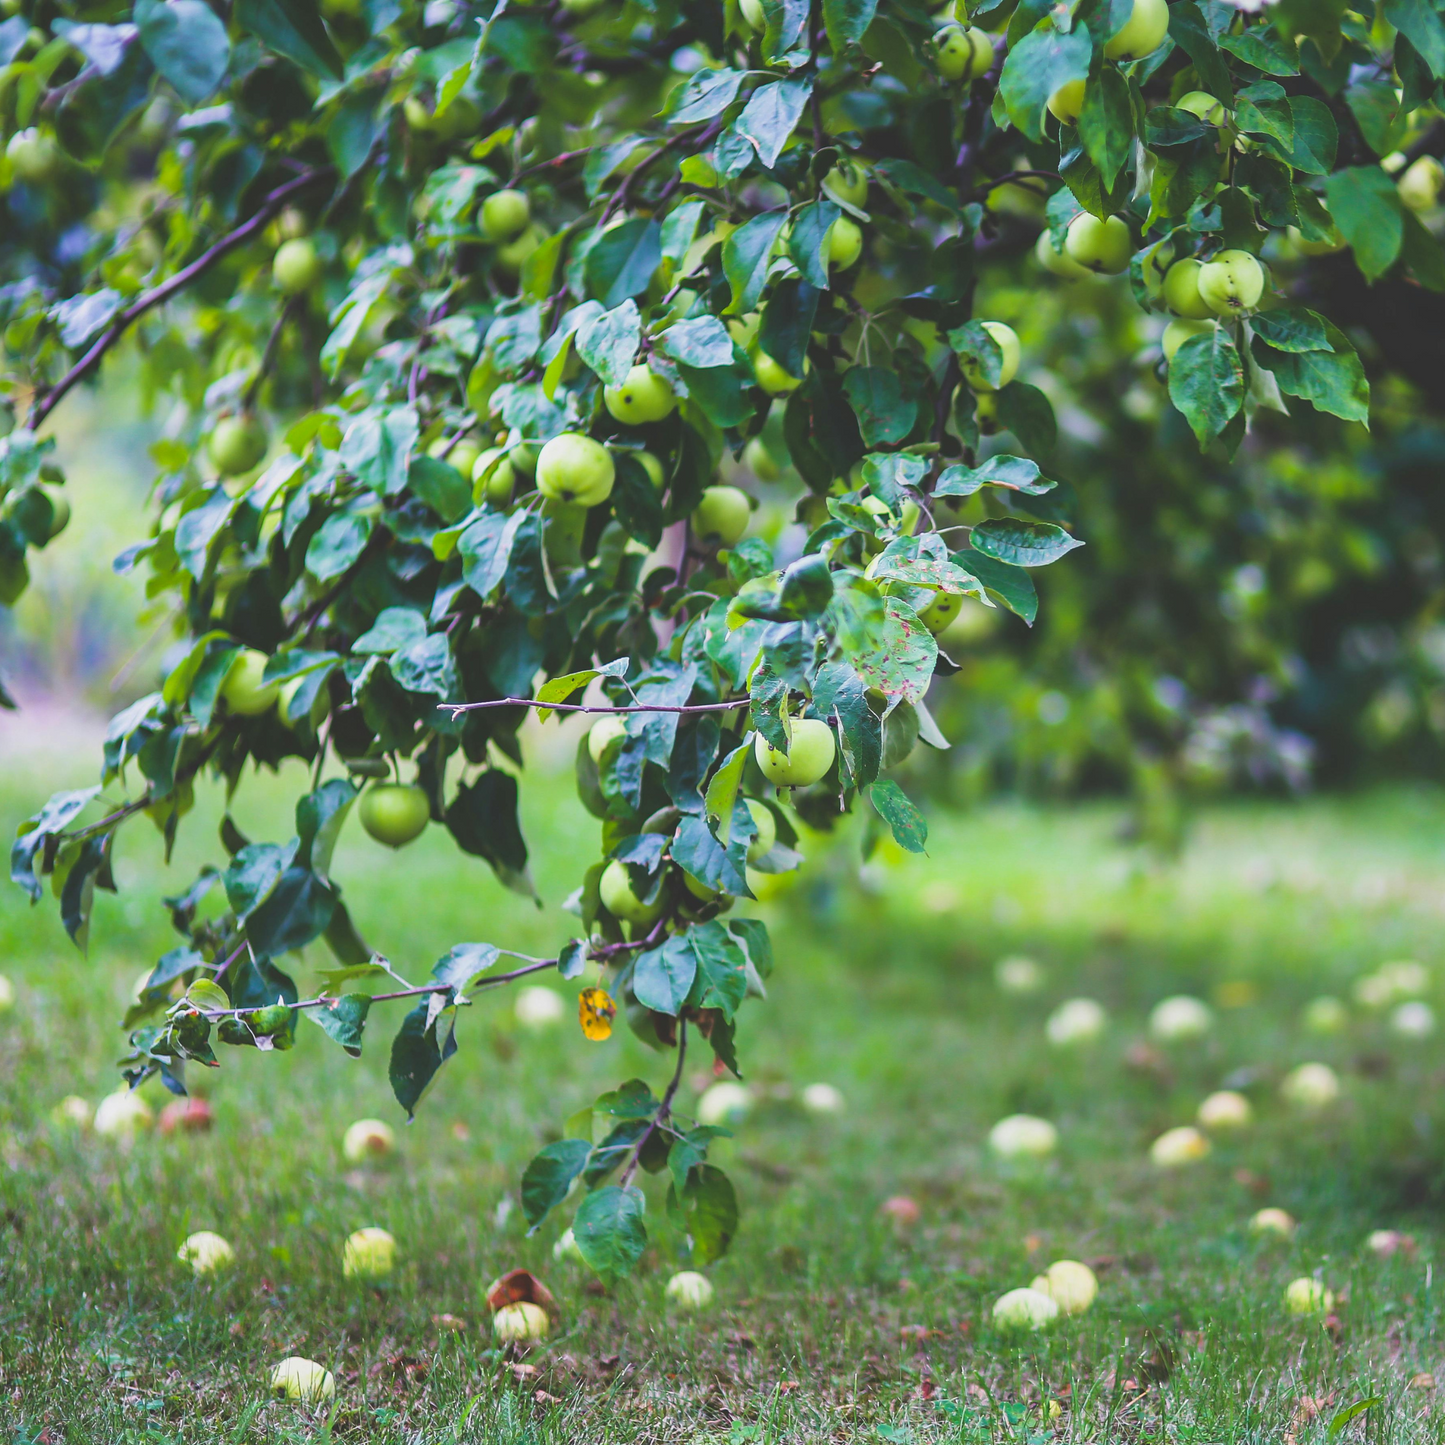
[689, 1290]
[1311, 1086]
[122, 1115]
[725, 1102]
[206, 1252]
[823, 1099]
[1076, 1021]
[538, 1007]
[368, 1254]
[296, 1378]
[1180, 1018]
[1272, 1221]
[367, 1139]
[522, 1323]
[1175, 1148]
[1071, 1285]
[1018, 975]
[1024, 1310]
[1023, 1136]
[1225, 1110]
[1307, 1297]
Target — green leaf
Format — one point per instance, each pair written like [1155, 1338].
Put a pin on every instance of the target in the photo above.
[913, 180]
[1005, 582]
[1206, 383]
[1422, 253]
[483, 820]
[293, 913]
[463, 964]
[425, 1041]
[1024, 544]
[1420, 21]
[703, 95]
[319, 817]
[549, 1176]
[690, 1149]
[1036, 67]
[1106, 123]
[1332, 381]
[663, 977]
[702, 343]
[608, 342]
[808, 240]
[900, 659]
[1026, 412]
[441, 486]
[1368, 213]
[621, 261]
[343, 1020]
[1264, 49]
[1188, 30]
[1018, 474]
[721, 981]
[187, 43]
[394, 628]
[839, 692]
[787, 323]
[609, 1231]
[377, 447]
[292, 28]
[1315, 136]
[892, 804]
[706, 1210]
[847, 21]
[746, 255]
[1378, 113]
[973, 344]
[771, 115]
[876, 395]
[1292, 328]
[341, 540]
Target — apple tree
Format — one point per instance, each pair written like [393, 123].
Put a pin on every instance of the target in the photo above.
[474, 315]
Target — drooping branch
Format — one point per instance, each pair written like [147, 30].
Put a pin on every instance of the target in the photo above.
[664, 1109]
[269, 208]
[685, 711]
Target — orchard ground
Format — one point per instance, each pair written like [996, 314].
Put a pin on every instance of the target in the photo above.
[830, 1322]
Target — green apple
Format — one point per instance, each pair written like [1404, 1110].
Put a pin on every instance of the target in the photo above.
[1060, 263]
[985, 412]
[1102, 246]
[760, 462]
[575, 469]
[602, 735]
[618, 898]
[767, 827]
[847, 182]
[1066, 103]
[772, 378]
[461, 117]
[521, 1323]
[722, 515]
[689, 1290]
[940, 613]
[844, 243]
[1307, 1296]
[237, 444]
[653, 467]
[122, 1115]
[1143, 31]
[297, 1378]
[522, 455]
[751, 14]
[493, 477]
[1329, 247]
[512, 256]
[394, 813]
[643, 397]
[1181, 290]
[367, 1139]
[962, 54]
[206, 1252]
[1204, 105]
[461, 454]
[59, 517]
[1008, 343]
[1419, 185]
[368, 1254]
[505, 215]
[809, 756]
[1231, 283]
[244, 690]
[297, 266]
[1179, 331]
[582, 7]
[1024, 1311]
[33, 155]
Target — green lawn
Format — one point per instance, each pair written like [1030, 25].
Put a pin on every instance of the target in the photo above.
[829, 1323]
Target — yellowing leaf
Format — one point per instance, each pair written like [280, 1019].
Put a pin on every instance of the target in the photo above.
[596, 1011]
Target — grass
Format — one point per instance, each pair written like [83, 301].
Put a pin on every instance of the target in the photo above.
[830, 1323]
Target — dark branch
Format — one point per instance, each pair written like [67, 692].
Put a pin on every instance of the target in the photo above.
[664, 1109]
[698, 707]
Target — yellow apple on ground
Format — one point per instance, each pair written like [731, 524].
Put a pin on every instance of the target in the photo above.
[73, 1112]
[1307, 1297]
[809, 755]
[521, 1323]
[297, 266]
[1071, 1285]
[538, 1007]
[394, 813]
[1225, 1111]
[505, 215]
[1177, 1147]
[619, 899]
[1143, 32]
[1067, 102]
[244, 691]
[1008, 344]
[1311, 1086]
[823, 1099]
[237, 444]
[725, 1102]
[1180, 1017]
[369, 1253]
[122, 1115]
[1273, 1221]
[367, 1139]
[1018, 975]
[722, 515]
[1179, 331]
[1023, 1136]
[1101, 246]
[1023, 1310]
[7, 995]
[206, 1252]
[643, 397]
[1231, 283]
[297, 1378]
[575, 469]
[1076, 1021]
[689, 1290]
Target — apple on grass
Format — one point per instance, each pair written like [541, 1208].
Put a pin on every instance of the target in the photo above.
[7, 995]
[521, 1323]
[1179, 1018]
[573, 468]
[823, 1099]
[809, 755]
[726, 1102]
[206, 1252]
[1023, 1136]
[1175, 1148]
[1071, 1285]
[122, 1115]
[689, 1290]
[643, 397]
[1024, 1310]
[1225, 1110]
[538, 1007]
[722, 515]
[395, 813]
[367, 1139]
[369, 1254]
[1273, 1221]
[1307, 1297]
[1076, 1021]
[297, 1378]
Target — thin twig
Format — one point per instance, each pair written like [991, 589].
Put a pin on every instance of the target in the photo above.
[272, 203]
[268, 356]
[664, 1109]
[698, 707]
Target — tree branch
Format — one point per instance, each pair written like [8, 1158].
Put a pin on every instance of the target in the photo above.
[693, 708]
[269, 207]
[664, 1109]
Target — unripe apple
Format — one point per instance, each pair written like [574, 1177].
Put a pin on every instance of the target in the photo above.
[369, 1254]
[759, 461]
[206, 1252]
[767, 827]
[808, 758]
[1419, 184]
[461, 117]
[512, 256]
[59, 517]
[1008, 343]
[1231, 283]
[751, 14]
[1311, 1086]
[1023, 1310]
[772, 378]
[237, 444]
[689, 1290]
[602, 735]
[844, 243]
[1181, 290]
[618, 898]
[1060, 263]
[122, 1115]
[961, 53]
[297, 266]
[823, 1099]
[573, 468]
[521, 1323]
[33, 155]
[461, 454]
[1179, 1018]
[297, 1378]
[1177, 1147]
[1307, 1297]
[725, 1102]
[581, 7]
[244, 691]
[367, 1139]
[1329, 247]
[493, 478]
[1179, 331]
[940, 613]
[522, 455]
[395, 813]
[722, 515]
[1102, 246]
[1273, 1221]
[1067, 102]
[1203, 105]
[1325, 1015]
[538, 1007]
[1071, 1285]
[1076, 1021]
[505, 215]
[985, 412]
[643, 397]
[847, 182]
[1023, 1136]
[1225, 1110]
[1143, 31]
[653, 467]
